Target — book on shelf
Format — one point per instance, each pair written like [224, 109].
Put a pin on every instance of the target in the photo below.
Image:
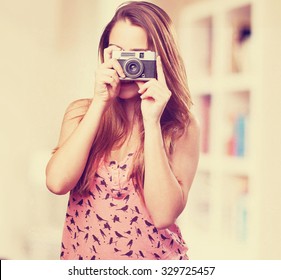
[236, 144]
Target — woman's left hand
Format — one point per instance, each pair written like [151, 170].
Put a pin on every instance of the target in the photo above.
[155, 94]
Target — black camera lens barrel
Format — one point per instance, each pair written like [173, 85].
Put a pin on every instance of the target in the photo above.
[133, 68]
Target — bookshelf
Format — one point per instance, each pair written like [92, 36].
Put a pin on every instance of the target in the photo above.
[222, 42]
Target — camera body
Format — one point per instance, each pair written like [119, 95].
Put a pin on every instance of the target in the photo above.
[137, 65]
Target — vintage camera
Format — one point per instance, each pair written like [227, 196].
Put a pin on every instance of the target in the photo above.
[137, 65]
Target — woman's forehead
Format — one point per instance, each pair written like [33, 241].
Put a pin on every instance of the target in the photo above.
[128, 36]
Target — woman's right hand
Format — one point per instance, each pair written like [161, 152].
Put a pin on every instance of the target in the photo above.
[107, 83]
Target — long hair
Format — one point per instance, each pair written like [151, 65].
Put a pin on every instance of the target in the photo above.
[114, 126]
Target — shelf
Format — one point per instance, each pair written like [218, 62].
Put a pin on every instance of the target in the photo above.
[238, 82]
[236, 166]
[230, 165]
[236, 100]
[219, 56]
[201, 84]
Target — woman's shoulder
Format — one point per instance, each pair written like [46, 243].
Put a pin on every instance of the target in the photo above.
[79, 103]
[191, 133]
[77, 108]
[193, 125]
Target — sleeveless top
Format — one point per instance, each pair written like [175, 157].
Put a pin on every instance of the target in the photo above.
[111, 222]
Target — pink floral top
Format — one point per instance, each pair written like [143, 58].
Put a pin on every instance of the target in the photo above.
[111, 222]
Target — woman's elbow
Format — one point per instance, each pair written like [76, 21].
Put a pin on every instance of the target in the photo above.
[164, 219]
[163, 222]
[56, 187]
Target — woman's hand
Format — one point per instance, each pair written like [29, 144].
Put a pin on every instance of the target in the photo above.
[155, 94]
[107, 83]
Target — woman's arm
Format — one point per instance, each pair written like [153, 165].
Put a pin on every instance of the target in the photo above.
[166, 186]
[78, 130]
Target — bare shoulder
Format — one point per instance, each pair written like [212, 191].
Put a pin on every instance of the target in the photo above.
[190, 137]
[186, 155]
[74, 113]
[77, 109]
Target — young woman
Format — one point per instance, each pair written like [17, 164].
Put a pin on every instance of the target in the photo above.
[128, 156]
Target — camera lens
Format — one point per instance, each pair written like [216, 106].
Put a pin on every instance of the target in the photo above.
[133, 68]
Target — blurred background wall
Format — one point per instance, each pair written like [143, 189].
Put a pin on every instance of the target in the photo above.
[48, 59]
